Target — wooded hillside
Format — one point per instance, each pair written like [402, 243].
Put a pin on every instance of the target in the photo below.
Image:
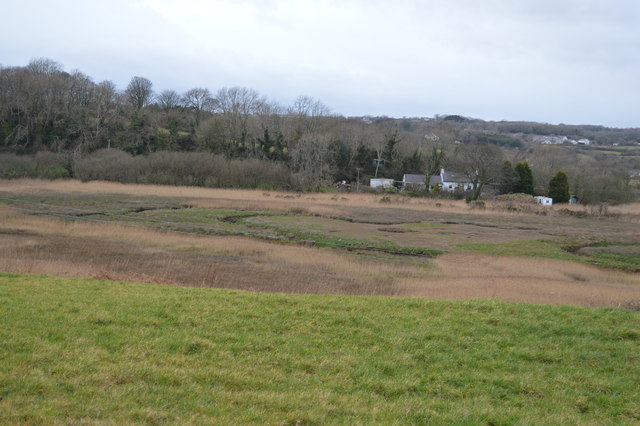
[55, 123]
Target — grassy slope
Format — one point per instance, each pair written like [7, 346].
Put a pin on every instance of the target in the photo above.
[96, 351]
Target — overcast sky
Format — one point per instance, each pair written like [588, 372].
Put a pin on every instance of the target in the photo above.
[556, 61]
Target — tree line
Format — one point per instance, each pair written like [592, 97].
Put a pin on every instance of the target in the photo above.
[55, 123]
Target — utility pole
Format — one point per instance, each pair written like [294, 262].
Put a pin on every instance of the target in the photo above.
[378, 161]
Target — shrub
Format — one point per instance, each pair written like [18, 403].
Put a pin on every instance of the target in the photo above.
[108, 164]
[477, 204]
[419, 193]
[520, 198]
[183, 168]
[178, 168]
[14, 166]
[517, 203]
[574, 213]
[49, 165]
[44, 165]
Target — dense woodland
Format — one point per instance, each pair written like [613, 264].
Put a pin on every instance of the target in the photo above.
[56, 124]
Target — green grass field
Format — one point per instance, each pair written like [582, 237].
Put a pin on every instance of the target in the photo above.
[90, 351]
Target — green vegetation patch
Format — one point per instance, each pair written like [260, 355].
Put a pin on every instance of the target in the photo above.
[608, 151]
[194, 220]
[607, 256]
[551, 249]
[319, 234]
[85, 351]
[268, 225]
[627, 256]
[226, 218]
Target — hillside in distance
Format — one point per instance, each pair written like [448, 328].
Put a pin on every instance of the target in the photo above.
[517, 131]
[64, 118]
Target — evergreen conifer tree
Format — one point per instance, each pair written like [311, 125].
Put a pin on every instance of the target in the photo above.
[525, 178]
[559, 187]
[508, 178]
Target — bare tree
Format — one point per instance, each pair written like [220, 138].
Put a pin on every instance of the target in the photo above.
[38, 104]
[435, 158]
[439, 141]
[309, 159]
[308, 112]
[44, 66]
[139, 92]
[236, 105]
[105, 101]
[310, 107]
[480, 163]
[238, 100]
[169, 99]
[198, 99]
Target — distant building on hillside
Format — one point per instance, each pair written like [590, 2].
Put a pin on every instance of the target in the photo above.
[551, 140]
[559, 140]
[450, 181]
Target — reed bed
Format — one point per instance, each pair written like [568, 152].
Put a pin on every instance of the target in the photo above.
[39, 244]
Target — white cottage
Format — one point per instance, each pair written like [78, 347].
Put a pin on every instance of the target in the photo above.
[450, 182]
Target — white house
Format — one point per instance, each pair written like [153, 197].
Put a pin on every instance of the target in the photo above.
[381, 183]
[450, 182]
[551, 140]
[545, 201]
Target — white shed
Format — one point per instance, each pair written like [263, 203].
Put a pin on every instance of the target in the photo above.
[381, 183]
[545, 201]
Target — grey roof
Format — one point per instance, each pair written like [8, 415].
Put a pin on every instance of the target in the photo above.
[413, 179]
[435, 179]
[454, 177]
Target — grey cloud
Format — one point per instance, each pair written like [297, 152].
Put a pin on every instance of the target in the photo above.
[520, 59]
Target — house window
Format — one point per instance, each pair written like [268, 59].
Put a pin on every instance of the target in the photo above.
[450, 186]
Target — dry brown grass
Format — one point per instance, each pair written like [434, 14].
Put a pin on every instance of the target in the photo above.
[31, 244]
[48, 245]
[39, 244]
[632, 209]
[463, 276]
[316, 203]
[324, 204]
